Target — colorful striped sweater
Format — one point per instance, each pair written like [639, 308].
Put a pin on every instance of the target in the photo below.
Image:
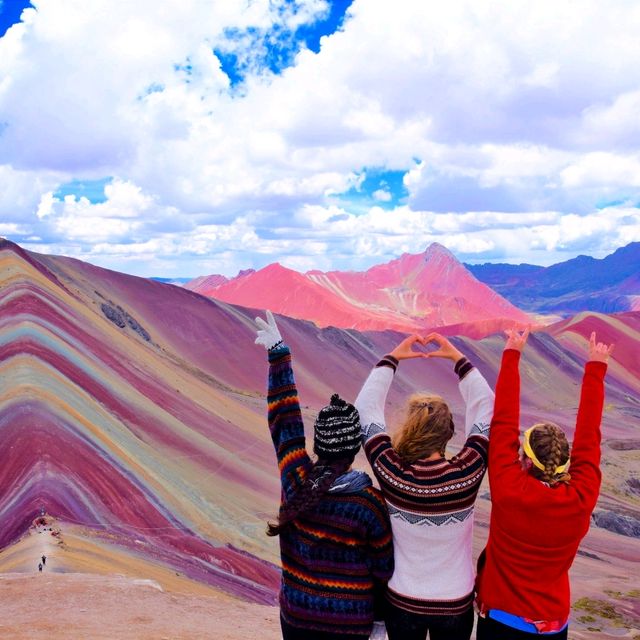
[431, 501]
[336, 560]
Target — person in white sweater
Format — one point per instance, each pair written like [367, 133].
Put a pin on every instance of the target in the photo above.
[430, 498]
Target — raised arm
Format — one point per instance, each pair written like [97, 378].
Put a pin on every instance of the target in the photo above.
[284, 416]
[504, 460]
[585, 454]
[371, 400]
[476, 393]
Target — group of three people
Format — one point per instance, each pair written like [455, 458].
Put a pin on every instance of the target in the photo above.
[353, 556]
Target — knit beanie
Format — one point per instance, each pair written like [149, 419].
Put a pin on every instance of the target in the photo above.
[337, 430]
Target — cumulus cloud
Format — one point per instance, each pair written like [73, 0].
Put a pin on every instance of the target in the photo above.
[21, 191]
[517, 131]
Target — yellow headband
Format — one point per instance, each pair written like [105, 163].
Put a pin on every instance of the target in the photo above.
[532, 456]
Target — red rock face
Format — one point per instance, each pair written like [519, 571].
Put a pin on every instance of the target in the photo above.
[416, 292]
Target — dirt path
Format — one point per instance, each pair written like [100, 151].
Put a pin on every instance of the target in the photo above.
[92, 590]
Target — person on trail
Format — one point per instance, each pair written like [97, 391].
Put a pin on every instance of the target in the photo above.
[335, 536]
[40, 567]
[540, 512]
[430, 498]
[44, 560]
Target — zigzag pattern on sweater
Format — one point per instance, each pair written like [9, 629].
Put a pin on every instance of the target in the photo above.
[430, 519]
[480, 428]
[370, 430]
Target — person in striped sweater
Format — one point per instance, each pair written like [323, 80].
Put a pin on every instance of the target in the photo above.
[540, 512]
[335, 535]
[430, 498]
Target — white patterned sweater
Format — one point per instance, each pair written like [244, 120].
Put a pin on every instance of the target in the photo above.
[430, 501]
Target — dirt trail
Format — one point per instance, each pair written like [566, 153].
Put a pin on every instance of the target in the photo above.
[92, 590]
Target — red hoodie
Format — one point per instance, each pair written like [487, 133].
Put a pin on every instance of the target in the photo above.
[535, 529]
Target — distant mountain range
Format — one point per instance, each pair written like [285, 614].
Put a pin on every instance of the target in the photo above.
[433, 289]
[581, 284]
[416, 292]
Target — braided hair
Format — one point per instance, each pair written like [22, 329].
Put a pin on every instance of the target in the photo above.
[313, 489]
[551, 447]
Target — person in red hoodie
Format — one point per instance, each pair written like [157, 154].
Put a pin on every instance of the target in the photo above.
[540, 512]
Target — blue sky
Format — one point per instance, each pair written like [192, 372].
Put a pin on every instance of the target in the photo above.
[10, 11]
[275, 48]
[180, 138]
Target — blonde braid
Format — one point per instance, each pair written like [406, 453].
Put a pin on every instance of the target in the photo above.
[550, 445]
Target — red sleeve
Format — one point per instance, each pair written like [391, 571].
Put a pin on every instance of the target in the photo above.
[505, 469]
[585, 454]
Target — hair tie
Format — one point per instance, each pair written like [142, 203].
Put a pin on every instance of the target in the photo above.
[528, 450]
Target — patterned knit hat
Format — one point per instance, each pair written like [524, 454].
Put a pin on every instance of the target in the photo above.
[337, 430]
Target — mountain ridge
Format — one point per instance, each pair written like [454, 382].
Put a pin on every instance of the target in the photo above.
[415, 292]
[610, 284]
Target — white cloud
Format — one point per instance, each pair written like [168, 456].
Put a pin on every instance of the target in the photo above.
[615, 123]
[523, 119]
[10, 228]
[601, 169]
[20, 192]
[382, 195]
[46, 205]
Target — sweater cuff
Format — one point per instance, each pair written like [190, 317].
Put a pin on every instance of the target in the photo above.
[597, 367]
[512, 354]
[389, 361]
[462, 367]
[278, 351]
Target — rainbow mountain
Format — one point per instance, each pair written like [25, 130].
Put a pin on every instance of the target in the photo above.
[133, 414]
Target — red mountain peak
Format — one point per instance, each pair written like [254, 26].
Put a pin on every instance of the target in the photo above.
[438, 251]
[409, 293]
[203, 284]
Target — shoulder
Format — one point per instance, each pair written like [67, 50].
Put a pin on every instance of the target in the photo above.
[373, 493]
[472, 454]
[374, 500]
[477, 444]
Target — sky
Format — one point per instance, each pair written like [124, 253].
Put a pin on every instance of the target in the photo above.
[177, 138]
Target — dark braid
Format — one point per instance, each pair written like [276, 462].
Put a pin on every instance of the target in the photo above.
[551, 447]
[314, 488]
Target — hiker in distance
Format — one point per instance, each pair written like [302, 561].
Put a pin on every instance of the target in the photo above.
[430, 497]
[335, 536]
[541, 508]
